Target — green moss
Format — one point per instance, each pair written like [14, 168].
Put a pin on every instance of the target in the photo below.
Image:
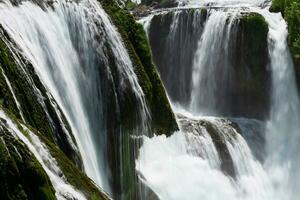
[255, 31]
[73, 175]
[34, 171]
[33, 111]
[38, 112]
[139, 50]
[277, 6]
[130, 5]
[124, 178]
[21, 175]
[292, 16]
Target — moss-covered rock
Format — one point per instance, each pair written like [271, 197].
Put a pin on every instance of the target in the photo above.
[120, 109]
[122, 147]
[73, 174]
[21, 175]
[251, 63]
[35, 104]
[136, 42]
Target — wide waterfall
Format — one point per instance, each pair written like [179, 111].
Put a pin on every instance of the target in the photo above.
[84, 114]
[70, 46]
[257, 159]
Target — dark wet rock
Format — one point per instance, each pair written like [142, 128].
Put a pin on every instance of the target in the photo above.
[22, 177]
[160, 3]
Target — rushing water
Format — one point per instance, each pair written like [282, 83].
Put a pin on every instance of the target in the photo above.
[174, 171]
[186, 165]
[68, 44]
[63, 190]
[283, 128]
[207, 75]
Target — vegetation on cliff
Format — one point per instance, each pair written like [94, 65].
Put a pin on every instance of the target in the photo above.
[135, 39]
[26, 175]
[35, 104]
[124, 178]
[22, 177]
[290, 9]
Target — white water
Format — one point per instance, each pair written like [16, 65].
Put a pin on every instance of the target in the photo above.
[14, 96]
[174, 172]
[26, 23]
[60, 43]
[283, 138]
[63, 190]
[206, 71]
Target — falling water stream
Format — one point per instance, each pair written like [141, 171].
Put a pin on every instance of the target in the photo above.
[67, 44]
[175, 172]
[186, 165]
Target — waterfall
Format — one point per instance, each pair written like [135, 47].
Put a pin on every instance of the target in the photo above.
[283, 128]
[211, 74]
[220, 152]
[264, 154]
[63, 190]
[71, 46]
[208, 50]
[173, 171]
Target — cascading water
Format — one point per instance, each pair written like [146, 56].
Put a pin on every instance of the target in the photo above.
[68, 44]
[283, 128]
[211, 158]
[59, 68]
[211, 58]
[183, 168]
[207, 75]
[63, 190]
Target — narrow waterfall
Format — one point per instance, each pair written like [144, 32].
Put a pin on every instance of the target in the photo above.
[283, 127]
[209, 80]
[63, 188]
[70, 46]
[262, 153]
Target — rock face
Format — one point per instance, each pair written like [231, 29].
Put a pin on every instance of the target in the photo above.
[22, 177]
[241, 91]
[162, 118]
[173, 38]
